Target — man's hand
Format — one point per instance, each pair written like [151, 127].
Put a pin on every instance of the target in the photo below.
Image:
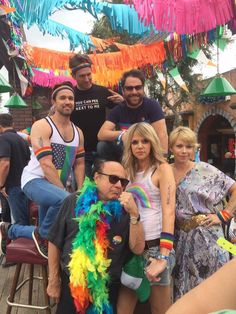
[127, 201]
[116, 97]
[54, 289]
[156, 267]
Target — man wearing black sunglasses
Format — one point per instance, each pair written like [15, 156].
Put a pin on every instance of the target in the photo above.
[101, 204]
[136, 108]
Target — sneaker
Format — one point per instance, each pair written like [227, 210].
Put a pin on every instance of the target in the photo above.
[4, 240]
[41, 243]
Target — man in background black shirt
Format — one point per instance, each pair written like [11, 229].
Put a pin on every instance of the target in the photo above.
[14, 156]
[91, 101]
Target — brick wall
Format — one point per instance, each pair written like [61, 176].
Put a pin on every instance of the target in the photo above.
[23, 118]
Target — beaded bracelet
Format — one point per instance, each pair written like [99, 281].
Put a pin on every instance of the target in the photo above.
[224, 216]
[167, 240]
[120, 137]
[161, 256]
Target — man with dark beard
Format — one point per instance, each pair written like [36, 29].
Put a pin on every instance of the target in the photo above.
[136, 108]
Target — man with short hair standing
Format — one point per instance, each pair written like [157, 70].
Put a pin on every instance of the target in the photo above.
[95, 231]
[91, 102]
[14, 156]
[136, 108]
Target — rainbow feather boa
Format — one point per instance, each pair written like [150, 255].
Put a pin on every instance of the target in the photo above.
[89, 263]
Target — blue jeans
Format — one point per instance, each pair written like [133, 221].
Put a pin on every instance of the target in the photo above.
[49, 197]
[6, 212]
[165, 276]
[110, 150]
[19, 231]
[18, 203]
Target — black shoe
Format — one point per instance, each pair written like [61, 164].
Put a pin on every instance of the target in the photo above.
[4, 240]
[8, 264]
[41, 243]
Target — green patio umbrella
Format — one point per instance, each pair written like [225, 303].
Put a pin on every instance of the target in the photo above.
[219, 86]
[36, 105]
[15, 102]
[5, 87]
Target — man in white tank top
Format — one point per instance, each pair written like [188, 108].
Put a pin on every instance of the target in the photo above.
[57, 149]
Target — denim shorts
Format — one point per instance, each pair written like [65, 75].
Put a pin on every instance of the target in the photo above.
[165, 276]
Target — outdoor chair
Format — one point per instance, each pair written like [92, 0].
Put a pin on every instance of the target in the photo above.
[23, 251]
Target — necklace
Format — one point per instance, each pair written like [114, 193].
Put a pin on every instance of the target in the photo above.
[89, 263]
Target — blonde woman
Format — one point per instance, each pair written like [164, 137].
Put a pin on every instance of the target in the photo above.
[153, 185]
[199, 217]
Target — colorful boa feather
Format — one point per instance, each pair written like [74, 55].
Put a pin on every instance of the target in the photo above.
[89, 263]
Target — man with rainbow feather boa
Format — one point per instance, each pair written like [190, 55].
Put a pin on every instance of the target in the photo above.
[94, 233]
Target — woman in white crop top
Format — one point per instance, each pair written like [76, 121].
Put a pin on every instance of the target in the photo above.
[153, 186]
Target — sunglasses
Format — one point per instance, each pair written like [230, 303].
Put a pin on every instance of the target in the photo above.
[136, 87]
[113, 179]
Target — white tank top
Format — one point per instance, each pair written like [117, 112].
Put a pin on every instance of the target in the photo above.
[148, 200]
[63, 156]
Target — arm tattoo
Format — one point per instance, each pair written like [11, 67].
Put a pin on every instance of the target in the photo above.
[168, 195]
[40, 141]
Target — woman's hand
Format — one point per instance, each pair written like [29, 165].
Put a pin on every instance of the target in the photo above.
[211, 220]
[156, 267]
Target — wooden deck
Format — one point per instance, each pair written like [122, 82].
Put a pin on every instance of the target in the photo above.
[6, 278]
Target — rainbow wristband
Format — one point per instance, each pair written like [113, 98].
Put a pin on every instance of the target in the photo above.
[224, 216]
[80, 153]
[167, 240]
[43, 152]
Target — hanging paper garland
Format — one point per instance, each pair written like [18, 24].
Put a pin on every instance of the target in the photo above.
[184, 17]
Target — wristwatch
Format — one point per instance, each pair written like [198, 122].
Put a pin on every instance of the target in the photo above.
[134, 220]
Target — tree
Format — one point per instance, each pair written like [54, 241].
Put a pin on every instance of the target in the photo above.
[102, 29]
[173, 97]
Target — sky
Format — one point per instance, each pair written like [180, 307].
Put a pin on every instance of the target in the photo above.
[227, 60]
[77, 19]
[83, 22]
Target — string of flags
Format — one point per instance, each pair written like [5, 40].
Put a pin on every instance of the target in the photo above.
[49, 65]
